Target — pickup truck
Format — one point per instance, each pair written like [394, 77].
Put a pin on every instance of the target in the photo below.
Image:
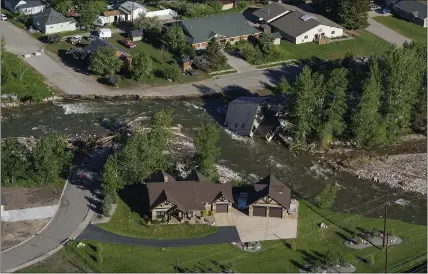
[127, 43]
[74, 39]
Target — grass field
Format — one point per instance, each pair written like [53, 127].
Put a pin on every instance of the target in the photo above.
[364, 45]
[127, 223]
[403, 27]
[275, 255]
[24, 81]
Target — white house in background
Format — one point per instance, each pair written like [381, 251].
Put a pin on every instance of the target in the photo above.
[132, 10]
[50, 21]
[24, 6]
[296, 25]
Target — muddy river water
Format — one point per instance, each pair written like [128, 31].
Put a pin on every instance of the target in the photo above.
[253, 158]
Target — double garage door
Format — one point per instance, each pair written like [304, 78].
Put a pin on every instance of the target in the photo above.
[221, 208]
[262, 212]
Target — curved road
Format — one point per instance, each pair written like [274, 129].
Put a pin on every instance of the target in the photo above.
[68, 221]
[225, 234]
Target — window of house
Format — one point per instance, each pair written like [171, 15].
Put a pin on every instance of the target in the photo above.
[243, 125]
[306, 37]
[160, 214]
[232, 39]
[199, 45]
[333, 32]
[236, 125]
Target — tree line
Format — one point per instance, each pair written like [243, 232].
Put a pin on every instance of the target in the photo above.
[143, 153]
[46, 163]
[371, 103]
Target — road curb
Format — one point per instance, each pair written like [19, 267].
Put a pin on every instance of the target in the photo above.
[56, 211]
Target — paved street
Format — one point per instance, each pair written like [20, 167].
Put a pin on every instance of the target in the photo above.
[20, 42]
[386, 34]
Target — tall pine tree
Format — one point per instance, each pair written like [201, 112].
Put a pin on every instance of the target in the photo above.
[353, 14]
[367, 124]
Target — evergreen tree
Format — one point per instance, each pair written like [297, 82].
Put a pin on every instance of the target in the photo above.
[326, 198]
[207, 150]
[354, 13]
[335, 104]
[142, 66]
[215, 56]
[306, 89]
[14, 161]
[367, 125]
[174, 38]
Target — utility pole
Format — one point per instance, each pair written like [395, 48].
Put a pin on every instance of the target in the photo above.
[386, 255]
[384, 220]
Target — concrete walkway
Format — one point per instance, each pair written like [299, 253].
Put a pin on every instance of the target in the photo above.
[66, 79]
[224, 235]
[386, 33]
[238, 63]
[26, 214]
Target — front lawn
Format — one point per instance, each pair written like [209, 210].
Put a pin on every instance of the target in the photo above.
[275, 255]
[127, 222]
[403, 27]
[364, 45]
[24, 80]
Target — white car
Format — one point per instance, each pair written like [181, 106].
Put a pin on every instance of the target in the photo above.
[375, 7]
[3, 17]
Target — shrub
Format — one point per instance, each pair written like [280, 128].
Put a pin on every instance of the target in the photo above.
[205, 213]
[201, 63]
[106, 206]
[53, 39]
[212, 212]
[241, 4]
[325, 199]
[171, 73]
[149, 222]
[228, 46]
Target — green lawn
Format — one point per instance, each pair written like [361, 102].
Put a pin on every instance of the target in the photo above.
[275, 255]
[365, 45]
[127, 223]
[26, 82]
[403, 27]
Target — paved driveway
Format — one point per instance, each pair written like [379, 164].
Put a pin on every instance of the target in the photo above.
[25, 214]
[239, 64]
[386, 33]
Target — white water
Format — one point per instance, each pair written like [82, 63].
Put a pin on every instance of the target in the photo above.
[77, 108]
[237, 137]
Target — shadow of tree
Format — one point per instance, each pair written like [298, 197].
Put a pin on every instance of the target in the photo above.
[136, 197]
[299, 265]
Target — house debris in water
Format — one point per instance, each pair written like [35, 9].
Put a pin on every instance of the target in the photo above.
[246, 114]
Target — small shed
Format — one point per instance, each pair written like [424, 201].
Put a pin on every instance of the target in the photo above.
[276, 38]
[186, 63]
[135, 35]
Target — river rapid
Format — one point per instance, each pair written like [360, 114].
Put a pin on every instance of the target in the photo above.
[252, 158]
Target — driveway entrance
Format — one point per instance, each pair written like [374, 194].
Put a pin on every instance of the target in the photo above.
[238, 63]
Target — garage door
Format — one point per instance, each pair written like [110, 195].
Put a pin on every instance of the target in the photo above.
[259, 211]
[275, 212]
[221, 208]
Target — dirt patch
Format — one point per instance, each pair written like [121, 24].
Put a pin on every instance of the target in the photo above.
[21, 197]
[17, 232]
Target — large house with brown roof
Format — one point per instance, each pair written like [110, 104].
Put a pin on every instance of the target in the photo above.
[187, 200]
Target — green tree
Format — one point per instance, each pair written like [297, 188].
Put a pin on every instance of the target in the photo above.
[50, 158]
[354, 13]
[207, 150]
[283, 87]
[142, 66]
[250, 53]
[105, 62]
[367, 124]
[89, 12]
[307, 90]
[325, 199]
[328, 8]
[335, 105]
[159, 137]
[112, 176]
[174, 38]
[148, 23]
[62, 6]
[266, 45]
[2, 49]
[172, 73]
[216, 58]
[14, 161]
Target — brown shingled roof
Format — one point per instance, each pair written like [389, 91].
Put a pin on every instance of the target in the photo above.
[111, 13]
[188, 195]
[272, 187]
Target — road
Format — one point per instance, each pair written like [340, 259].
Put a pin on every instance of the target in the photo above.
[386, 33]
[75, 205]
[70, 82]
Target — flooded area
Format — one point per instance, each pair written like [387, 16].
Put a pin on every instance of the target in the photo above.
[250, 158]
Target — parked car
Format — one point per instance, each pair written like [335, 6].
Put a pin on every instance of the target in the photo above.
[128, 43]
[3, 17]
[110, 7]
[375, 7]
[92, 38]
[74, 39]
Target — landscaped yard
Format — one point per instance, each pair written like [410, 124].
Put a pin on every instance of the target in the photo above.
[275, 255]
[24, 81]
[403, 27]
[365, 45]
[127, 222]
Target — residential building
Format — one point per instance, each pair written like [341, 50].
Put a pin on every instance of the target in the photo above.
[135, 35]
[411, 10]
[271, 198]
[227, 4]
[244, 115]
[228, 27]
[187, 200]
[24, 6]
[132, 10]
[50, 21]
[296, 25]
[112, 16]
[100, 43]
